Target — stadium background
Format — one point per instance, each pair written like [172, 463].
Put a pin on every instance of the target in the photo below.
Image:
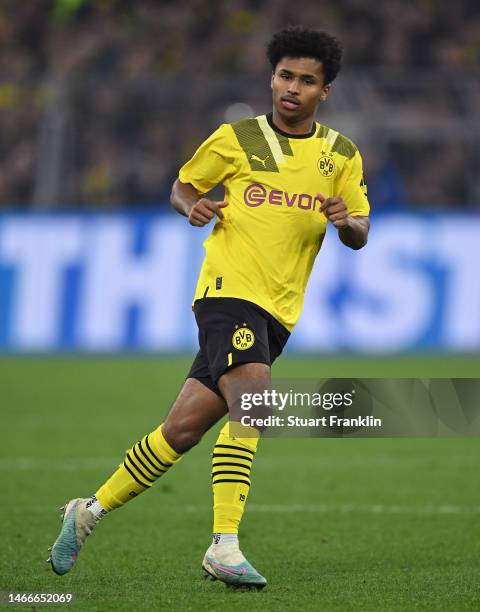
[100, 103]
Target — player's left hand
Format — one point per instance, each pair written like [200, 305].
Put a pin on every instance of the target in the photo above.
[335, 210]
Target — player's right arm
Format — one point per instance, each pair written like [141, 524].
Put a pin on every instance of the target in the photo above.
[211, 164]
[188, 202]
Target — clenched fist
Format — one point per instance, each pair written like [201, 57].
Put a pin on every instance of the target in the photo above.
[203, 211]
[335, 210]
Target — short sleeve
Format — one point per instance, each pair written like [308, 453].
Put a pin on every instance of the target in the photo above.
[351, 187]
[212, 162]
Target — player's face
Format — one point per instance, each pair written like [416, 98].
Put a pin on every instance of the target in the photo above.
[298, 87]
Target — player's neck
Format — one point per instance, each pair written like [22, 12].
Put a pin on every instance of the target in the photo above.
[304, 128]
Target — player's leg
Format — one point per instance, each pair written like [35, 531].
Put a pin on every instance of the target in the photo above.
[194, 411]
[234, 452]
[233, 457]
[240, 341]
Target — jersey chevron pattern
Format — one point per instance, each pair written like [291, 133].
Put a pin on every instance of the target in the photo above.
[264, 249]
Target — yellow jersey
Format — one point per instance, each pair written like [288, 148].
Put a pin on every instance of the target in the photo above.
[264, 249]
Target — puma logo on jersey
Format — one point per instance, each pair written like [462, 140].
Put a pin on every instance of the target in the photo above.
[262, 161]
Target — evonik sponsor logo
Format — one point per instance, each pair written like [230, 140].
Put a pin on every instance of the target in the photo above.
[256, 194]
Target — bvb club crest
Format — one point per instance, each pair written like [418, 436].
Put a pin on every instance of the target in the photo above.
[326, 166]
[243, 338]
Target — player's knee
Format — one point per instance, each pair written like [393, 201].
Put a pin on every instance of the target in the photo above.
[181, 436]
[188, 439]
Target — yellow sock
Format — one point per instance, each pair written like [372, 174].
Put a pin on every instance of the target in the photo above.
[231, 464]
[146, 461]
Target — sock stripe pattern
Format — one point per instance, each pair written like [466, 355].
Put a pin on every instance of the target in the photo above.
[245, 450]
[232, 461]
[137, 467]
[165, 465]
[147, 460]
[148, 470]
[133, 475]
[245, 464]
[215, 455]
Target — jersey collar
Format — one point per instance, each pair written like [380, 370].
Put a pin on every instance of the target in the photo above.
[279, 131]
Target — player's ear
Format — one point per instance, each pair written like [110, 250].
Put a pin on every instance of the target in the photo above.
[324, 93]
[271, 80]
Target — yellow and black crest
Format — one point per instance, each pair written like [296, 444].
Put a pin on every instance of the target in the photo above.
[326, 166]
[243, 338]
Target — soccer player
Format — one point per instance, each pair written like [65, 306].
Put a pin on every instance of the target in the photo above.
[285, 177]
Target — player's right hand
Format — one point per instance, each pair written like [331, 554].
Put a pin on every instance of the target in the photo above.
[204, 210]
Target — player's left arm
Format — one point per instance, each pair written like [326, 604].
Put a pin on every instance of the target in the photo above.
[348, 211]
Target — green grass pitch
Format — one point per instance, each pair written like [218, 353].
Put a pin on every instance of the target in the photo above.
[369, 524]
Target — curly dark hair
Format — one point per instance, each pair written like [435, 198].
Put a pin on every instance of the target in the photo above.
[296, 41]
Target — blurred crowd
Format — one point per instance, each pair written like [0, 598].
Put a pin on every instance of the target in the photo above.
[102, 100]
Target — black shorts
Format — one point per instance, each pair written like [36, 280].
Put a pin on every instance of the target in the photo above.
[233, 331]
